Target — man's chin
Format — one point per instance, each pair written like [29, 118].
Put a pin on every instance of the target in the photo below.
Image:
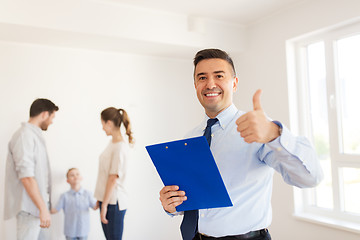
[213, 106]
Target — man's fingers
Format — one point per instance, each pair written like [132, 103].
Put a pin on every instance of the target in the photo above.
[171, 203]
[175, 204]
[45, 224]
[241, 119]
[45, 220]
[170, 197]
[168, 189]
[169, 192]
[246, 133]
[243, 126]
[250, 139]
[256, 100]
[173, 194]
[176, 199]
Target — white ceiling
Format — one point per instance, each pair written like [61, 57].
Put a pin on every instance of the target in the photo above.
[243, 12]
[123, 26]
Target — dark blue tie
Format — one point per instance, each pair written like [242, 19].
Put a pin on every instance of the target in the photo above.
[190, 221]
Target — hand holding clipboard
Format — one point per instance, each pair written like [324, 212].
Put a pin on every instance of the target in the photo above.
[190, 175]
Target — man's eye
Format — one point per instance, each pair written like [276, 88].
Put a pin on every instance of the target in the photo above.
[202, 78]
[219, 76]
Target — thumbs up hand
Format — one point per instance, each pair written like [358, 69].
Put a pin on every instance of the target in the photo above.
[254, 125]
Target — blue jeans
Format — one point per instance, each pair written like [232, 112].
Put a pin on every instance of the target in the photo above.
[114, 229]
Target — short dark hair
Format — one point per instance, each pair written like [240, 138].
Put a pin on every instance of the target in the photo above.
[213, 53]
[42, 105]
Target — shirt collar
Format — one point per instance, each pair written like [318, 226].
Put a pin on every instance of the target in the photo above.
[32, 127]
[224, 117]
[81, 190]
[37, 130]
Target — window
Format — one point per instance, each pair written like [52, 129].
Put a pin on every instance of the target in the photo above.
[324, 95]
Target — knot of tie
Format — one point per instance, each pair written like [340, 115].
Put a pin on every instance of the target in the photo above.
[211, 122]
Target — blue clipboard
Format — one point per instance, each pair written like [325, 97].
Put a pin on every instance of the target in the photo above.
[190, 165]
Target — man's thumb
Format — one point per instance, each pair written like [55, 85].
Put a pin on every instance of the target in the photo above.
[256, 100]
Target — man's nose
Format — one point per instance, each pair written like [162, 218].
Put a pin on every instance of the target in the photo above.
[210, 84]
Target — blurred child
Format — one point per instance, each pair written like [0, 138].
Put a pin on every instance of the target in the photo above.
[76, 203]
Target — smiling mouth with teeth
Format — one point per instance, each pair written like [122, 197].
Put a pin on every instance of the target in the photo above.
[212, 94]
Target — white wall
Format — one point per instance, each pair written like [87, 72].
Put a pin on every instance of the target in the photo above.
[263, 65]
[158, 94]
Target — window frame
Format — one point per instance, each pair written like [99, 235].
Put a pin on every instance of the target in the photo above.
[300, 123]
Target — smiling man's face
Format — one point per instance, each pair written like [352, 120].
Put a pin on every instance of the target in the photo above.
[215, 84]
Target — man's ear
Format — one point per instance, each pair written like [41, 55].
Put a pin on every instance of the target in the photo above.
[45, 115]
[235, 84]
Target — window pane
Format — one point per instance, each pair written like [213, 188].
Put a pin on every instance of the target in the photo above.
[323, 196]
[351, 186]
[348, 52]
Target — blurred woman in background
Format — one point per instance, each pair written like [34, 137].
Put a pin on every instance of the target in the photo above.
[110, 189]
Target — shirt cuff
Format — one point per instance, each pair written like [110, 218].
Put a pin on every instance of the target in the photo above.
[176, 213]
[285, 141]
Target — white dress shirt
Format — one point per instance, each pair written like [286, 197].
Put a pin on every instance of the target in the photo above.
[247, 171]
[27, 157]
